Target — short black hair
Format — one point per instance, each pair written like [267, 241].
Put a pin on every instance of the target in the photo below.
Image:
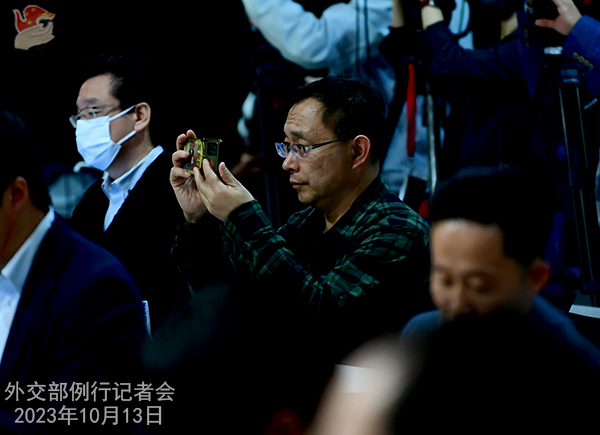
[20, 157]
[509, 197]
[131, 83]
[352, 107]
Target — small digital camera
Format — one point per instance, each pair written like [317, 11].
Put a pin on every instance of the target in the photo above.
[199, 150]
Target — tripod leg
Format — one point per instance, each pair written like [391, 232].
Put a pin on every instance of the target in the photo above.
[583, 202]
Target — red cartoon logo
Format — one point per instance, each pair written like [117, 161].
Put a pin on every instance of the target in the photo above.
[34, 27]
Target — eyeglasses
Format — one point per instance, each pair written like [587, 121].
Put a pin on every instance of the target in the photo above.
[90, 112]
[299, 151]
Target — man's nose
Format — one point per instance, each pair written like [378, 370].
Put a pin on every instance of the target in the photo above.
[289, 163]
[461, 303]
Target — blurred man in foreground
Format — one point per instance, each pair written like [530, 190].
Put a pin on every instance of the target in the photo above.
[488, 255]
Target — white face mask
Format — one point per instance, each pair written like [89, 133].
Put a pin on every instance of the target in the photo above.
[94, 142]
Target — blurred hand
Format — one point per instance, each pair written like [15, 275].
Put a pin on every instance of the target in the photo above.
[430, 15]
[184, 183]
[568, 15]
[220, 197]
[397, 14]
[247, 165]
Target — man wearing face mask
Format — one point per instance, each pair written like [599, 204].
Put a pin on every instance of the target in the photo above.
[132, 211]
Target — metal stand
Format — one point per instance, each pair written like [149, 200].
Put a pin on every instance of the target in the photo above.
[580, 176]
[433, 137]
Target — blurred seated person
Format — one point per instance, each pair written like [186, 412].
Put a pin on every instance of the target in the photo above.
[70, 310]
[355, 261]
[480, 374]
[488, 256]
[225, 355]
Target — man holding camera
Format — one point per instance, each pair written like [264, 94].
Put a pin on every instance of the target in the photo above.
[354, 263]
[484, 87]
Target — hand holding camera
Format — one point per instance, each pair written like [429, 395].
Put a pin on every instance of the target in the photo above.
[568, 15]
[201, 182]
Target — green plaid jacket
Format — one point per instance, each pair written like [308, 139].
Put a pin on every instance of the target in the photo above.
[376, 255]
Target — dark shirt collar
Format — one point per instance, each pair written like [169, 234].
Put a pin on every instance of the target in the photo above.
[315, 221]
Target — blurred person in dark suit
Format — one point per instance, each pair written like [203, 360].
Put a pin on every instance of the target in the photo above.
[70, 311]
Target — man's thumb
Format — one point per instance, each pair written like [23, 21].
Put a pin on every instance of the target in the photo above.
[226, 175]
[543, 22]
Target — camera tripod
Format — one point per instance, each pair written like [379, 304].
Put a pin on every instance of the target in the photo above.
[580, 165]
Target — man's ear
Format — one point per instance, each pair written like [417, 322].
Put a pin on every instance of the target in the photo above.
[361, 147]
[538, 275]
[142, 116]
[18, 193]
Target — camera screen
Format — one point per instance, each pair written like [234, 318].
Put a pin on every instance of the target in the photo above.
[212, 148]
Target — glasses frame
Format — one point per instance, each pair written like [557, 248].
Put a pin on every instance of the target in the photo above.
[299, 151]
[97, 109]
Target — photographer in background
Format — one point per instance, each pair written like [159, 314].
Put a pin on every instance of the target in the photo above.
[504, 107]
[484, 87]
